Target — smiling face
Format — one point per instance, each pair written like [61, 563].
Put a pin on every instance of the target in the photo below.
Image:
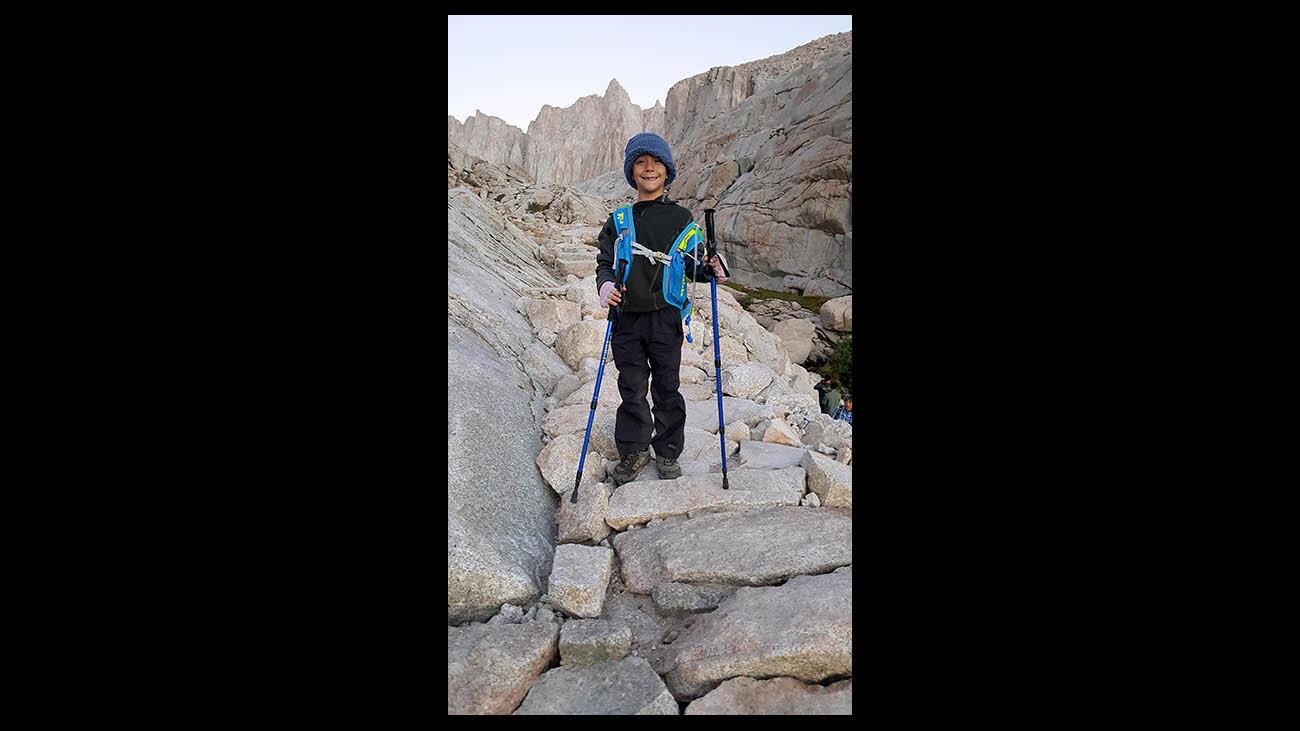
[649, 175]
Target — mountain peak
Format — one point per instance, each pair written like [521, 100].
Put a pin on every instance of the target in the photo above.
[614, 88]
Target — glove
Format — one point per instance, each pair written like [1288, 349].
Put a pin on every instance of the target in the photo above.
[606, 290]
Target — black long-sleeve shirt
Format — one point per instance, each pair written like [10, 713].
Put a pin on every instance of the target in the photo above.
[657, 223]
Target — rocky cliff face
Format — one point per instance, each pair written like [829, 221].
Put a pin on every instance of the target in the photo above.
[767, 143]
[489, 138]
[586, 139]
[563, 145]
[654, 120]
[722, 88]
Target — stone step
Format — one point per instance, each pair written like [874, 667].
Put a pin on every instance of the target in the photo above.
[642, 501]
[752, 547]
[584, 521]
[802, 629]
[689, 467]
[580, 578]
[616, 688]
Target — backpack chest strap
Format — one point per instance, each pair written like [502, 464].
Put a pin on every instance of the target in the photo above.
[658, 257]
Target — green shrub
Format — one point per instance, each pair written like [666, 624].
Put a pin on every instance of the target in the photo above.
[812, 304]
[839, 366]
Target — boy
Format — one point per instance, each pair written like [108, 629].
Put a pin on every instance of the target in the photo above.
[845, 411]
[823, 388]
[646, 335]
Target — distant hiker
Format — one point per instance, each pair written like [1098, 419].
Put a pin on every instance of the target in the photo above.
[831, 398]
[647, 334]
[823, 388]
[845, 411]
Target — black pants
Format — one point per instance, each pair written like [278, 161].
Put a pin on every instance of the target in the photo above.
[648, 350]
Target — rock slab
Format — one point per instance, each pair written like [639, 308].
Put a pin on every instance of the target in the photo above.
[625, 687]
[775, 697]
[744, 547]
[802, 629]
[642, 501]
[491, 667]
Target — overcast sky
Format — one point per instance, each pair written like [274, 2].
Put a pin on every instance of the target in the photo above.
[510, 65]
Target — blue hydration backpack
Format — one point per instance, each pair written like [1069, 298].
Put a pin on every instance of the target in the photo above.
[674, 274]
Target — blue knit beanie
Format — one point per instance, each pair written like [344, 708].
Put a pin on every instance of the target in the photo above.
[648, 143]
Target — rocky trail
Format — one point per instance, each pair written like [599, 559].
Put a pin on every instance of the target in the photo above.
[660, 596]
[664, 597]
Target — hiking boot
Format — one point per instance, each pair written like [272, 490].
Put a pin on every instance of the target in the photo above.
[629, 465]
[668, 468]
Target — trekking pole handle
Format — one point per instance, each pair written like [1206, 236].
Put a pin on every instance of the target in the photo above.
[708, 226]
[713, 245]
[618, 287]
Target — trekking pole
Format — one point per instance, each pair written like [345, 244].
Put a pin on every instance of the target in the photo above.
[717, 350]
[595, 393]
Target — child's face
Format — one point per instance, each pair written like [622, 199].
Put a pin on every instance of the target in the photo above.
[649, 174]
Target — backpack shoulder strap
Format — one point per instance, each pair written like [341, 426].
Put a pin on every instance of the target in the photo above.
[624, 234]
[622, 217]
[688, 239]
